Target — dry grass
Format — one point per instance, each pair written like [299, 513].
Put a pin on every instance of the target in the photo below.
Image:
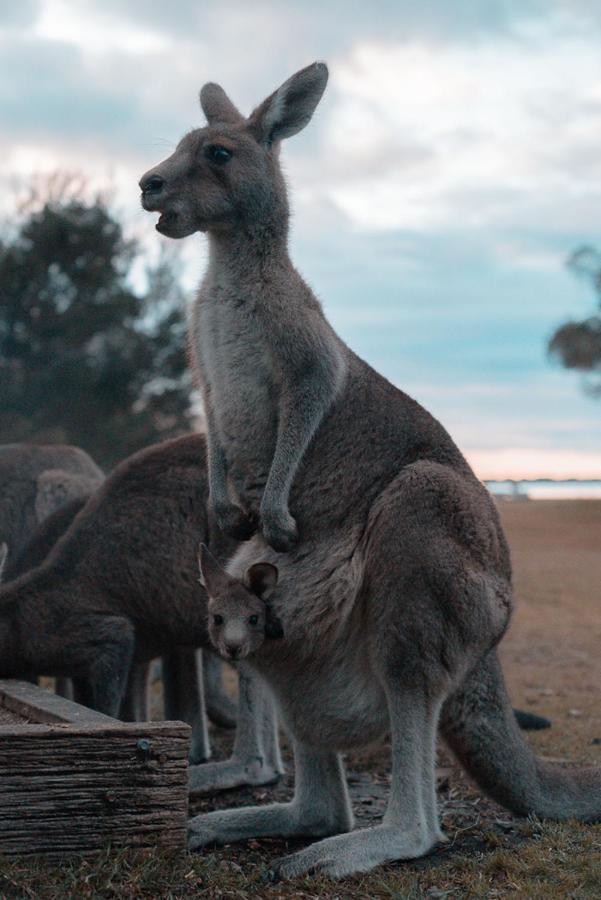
[552, 661]
[551, 862]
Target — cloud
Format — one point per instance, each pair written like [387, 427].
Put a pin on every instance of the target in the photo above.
[338, 21]
[449, 170]
[57, 93]
[509, 131]
[21, 14]
[438, 115]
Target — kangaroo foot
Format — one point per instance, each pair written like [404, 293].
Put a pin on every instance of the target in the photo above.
[276, 820]
[234, 522]
[223, 776]
[360, 851]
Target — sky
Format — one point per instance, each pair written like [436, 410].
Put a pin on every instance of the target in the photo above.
[452, 166]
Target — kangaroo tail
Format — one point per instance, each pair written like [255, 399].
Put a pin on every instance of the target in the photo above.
[529, 721]
[478, 724]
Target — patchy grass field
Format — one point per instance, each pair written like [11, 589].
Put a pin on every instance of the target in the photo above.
[553, 666]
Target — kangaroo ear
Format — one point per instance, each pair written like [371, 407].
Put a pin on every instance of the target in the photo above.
[289, 109]
[3, 556]
[217, 106]
[273, 626]
[261, 579]
[212, 576]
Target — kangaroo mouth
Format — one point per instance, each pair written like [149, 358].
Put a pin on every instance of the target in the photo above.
[166, 221]
[167, 218]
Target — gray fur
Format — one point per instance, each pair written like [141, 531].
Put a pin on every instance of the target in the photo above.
[255, 756]
[400, 589]
[3, 558]
[184, 696]
[239, 614]
[36, 480]
[43, 488]
[221, 709]
[267, 378]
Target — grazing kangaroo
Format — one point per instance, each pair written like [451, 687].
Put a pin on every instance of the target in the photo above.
[35, 482]
[181, 672]
[121, 586]
[394, 601]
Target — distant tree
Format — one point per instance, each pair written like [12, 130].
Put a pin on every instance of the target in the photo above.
[85, 358]
[577, 345]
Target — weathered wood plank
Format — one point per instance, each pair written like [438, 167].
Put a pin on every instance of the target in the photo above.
[10, 717]
[79, 781]
[149, 730]
[29, 700]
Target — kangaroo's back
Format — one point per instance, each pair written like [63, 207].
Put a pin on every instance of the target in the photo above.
[133, 548]
[35, 480]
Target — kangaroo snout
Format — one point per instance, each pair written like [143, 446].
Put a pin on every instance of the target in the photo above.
[232, 651]
[151, 184]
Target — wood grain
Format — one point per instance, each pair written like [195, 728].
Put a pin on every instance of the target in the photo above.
[29, 700]
[76, 781]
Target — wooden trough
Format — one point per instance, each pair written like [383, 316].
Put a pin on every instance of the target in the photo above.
[75, 781]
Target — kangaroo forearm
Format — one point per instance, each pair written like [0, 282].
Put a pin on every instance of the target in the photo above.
[231, 519]
[298, 423]
[221, 709]
[290, 449]
[217, 468]
[305, 402]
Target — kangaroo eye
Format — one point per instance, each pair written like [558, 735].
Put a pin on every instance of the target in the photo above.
[219, 155]
[253, 620]
[218, 620]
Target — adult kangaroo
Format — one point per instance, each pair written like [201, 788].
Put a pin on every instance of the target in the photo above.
[42, 489]
[394, 599]
[181, 674]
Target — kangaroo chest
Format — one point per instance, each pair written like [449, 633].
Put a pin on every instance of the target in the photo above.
[322, 675]
[336, 704]
[234, 361]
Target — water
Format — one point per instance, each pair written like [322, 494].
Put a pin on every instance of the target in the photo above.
[545, 489]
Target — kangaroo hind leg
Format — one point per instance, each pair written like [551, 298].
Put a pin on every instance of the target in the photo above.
[255, 756]
[320, 806]
[98, 650]
[410, 825]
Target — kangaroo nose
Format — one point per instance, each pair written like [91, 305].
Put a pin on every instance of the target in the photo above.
[233, 650]
[152, 184]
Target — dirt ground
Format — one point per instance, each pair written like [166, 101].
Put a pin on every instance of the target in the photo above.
[553, 667]
[552, 653]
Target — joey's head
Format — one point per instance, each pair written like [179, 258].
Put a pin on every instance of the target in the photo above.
[227, 175]
[240, 618]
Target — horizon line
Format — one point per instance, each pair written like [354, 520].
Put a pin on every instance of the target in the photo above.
[546, 479]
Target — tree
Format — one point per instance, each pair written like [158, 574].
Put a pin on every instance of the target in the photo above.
[84, 357]
[577, 345]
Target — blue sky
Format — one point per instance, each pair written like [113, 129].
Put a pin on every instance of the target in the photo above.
[453, 164]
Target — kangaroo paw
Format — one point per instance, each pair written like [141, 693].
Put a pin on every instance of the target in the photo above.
[223, 776]
[279, 530]
[348, 854]
[234, 522]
